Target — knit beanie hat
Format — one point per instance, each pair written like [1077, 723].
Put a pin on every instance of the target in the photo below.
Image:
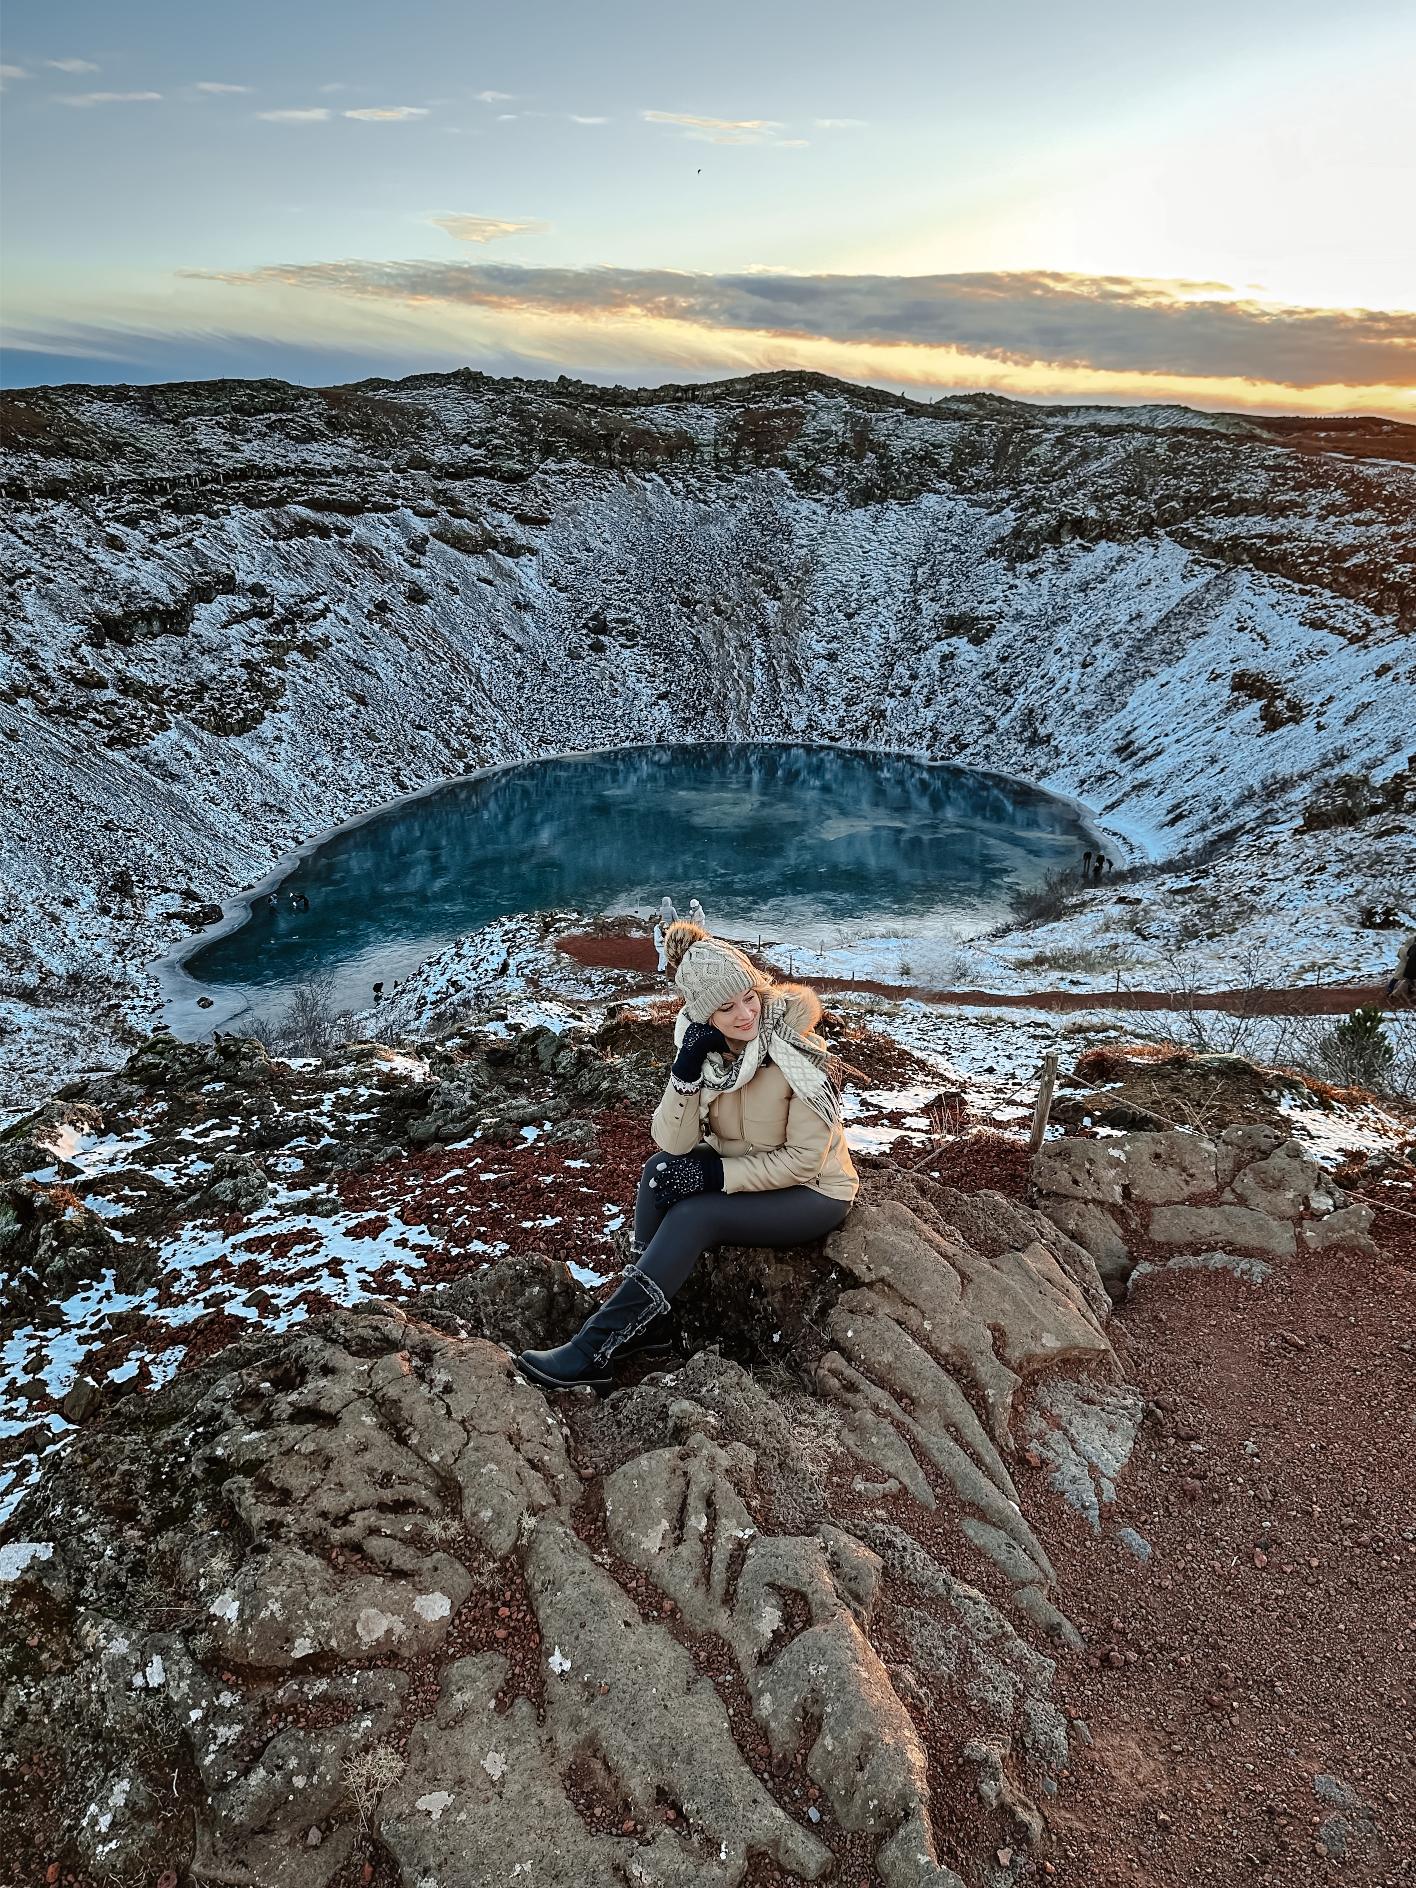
[708, 972]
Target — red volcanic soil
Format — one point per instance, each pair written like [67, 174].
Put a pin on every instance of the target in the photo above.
[612, 952]
[1250, 1690]
[638, 953]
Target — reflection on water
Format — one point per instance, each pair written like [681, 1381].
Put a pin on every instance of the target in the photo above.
[793, 841]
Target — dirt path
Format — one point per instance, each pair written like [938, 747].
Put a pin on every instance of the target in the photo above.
[1250, 1686]
[637, 953]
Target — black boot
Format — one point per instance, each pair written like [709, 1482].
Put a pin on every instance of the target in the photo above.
[588, 1359]
[659, 1338]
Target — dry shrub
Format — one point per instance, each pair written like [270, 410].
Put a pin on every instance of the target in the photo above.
[367, 1774]
[1055, 898]
[310, 1025]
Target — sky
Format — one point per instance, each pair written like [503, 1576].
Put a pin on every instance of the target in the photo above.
[1060, 200]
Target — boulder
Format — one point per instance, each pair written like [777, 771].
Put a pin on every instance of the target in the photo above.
[1285, 1183]
[1200, 1228]
[47, 1139]
[994, 1225]
[1168, 1167]
[1081, 1170]
[1253, 1189]
[51, 1243]
[80, 1400]
[1241, 1145]
[1084, 1431]
[236, 1184]
[519, 1301]
[1350, 1226]
[1096, 1230]
[791, 1437]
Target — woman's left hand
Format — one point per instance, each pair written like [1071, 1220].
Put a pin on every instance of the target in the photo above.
[676, 1177]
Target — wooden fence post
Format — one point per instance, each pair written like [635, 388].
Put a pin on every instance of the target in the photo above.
[1044, 1101]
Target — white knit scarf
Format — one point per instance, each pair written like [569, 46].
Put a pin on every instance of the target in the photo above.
[803, 1057]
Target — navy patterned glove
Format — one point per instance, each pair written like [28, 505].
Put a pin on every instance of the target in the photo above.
[676, 1177]
[699, 1042]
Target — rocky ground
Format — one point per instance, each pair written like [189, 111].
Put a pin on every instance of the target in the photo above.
[1023, 1533]
[1053, 1522]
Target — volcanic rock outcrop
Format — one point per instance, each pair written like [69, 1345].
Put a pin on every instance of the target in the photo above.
[353, 1592]
[1179, 1198]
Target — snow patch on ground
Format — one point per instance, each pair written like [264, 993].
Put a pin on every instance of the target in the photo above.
[195, 691]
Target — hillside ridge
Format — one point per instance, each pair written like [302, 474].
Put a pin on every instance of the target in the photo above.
[239, 613]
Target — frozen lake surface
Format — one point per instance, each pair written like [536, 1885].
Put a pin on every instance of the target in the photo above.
[791, 841]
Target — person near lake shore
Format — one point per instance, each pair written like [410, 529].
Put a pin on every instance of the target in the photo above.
[668, 915]
[751, 1151]
[696, 914]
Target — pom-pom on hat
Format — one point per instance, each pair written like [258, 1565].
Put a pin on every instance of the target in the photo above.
[707, 972]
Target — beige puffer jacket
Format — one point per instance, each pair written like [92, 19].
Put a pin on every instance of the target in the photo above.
[767, 1136]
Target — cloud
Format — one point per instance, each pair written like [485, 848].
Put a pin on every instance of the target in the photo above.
[12, 72]
[71, 65]
[839, 124]
[580, 118]
[302, 115]
[1110, 324]
[387, 114]
[142, 353]
[494, 98]
[716, 130]
[85, 99]
[711, 124]
[214, 85]
[486, 229]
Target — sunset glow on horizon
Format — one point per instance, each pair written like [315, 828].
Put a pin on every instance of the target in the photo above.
[1064, 204]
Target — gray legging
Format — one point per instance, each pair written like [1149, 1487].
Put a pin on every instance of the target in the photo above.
[671, 1238]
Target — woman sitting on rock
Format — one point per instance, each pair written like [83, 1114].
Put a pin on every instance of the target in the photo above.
[753, 1151]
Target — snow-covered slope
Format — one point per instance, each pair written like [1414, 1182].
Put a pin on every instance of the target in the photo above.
[240, 612]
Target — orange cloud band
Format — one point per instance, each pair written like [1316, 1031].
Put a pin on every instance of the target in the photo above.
[1030, 321]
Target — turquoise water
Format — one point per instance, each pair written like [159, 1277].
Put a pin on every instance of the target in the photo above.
[792, 842]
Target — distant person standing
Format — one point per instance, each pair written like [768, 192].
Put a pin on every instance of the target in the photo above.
[663, 963]
[1402, 987]
[696, 913]
[667, 914]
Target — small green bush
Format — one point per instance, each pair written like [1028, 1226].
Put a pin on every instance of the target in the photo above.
[1357, 1052]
